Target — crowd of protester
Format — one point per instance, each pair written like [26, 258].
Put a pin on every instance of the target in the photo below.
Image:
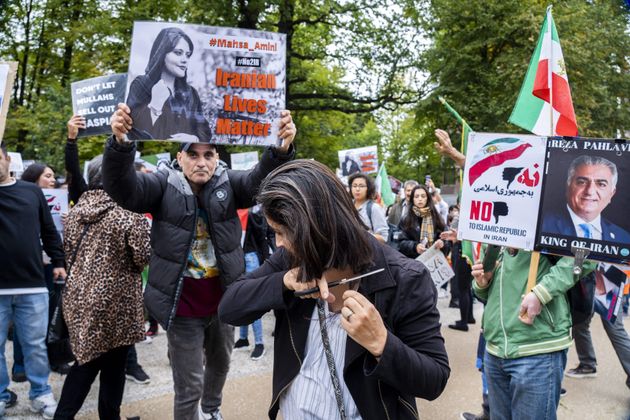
[367, 349]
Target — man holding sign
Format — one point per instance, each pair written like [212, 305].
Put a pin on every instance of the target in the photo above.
[527, 332]
[196, 244]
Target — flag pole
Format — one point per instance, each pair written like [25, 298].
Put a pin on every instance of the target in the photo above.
[535, 258]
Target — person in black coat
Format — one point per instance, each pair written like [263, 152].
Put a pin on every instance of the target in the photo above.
[422, 225]
[383, 332]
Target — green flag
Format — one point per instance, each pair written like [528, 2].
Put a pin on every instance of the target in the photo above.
[466, 130]
[467, 246]
[383, 188]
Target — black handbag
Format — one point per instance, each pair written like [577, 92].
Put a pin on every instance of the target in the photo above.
[58, 338]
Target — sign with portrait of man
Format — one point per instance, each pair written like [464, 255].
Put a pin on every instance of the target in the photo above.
[361, 159]
[196, 83]
[585, 199]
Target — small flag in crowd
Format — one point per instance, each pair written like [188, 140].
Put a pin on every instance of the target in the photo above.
[532, 110]
[466, 130]
[383, 188]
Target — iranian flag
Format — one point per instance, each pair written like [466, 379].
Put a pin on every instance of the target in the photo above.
[546, 83]
[495, 153]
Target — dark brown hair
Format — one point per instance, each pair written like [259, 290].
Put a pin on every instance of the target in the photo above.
[371, 188]
[34, 171]
[319, 220]
[410, 221]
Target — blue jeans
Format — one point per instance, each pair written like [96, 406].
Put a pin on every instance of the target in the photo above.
[252, 263]
[525, 388]
[30, 316]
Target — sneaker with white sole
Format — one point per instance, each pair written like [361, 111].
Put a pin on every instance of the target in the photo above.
[137, 374]
[582, 371]
[258, 352]
[46, 405]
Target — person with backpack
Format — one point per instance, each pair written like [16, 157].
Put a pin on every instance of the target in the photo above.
[360, 350]
[363, 193]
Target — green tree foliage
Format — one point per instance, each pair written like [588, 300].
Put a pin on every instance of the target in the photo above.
[342, 60]
[480, 54]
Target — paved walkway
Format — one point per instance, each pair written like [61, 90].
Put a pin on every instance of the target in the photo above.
[248, 391]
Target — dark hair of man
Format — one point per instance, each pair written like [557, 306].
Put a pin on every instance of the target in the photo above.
[33, 172]
[3, 149]
[371, 188]
[410, 221]
[318, 219]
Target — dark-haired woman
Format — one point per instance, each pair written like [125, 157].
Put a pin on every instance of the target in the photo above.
[163, 104]
[360, 350]
[40, 174]
[363, 193]
[107, 247]
[421, 226]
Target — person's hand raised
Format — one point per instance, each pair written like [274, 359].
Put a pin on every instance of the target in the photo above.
[74, 124]
[287, 131]
[121, 122]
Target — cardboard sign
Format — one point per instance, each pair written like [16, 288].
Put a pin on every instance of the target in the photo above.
[96, 99]
[501, 189]
[7, 76]
[362, 159]
[586, 193]
[244, 161]
[16, 164]
[438, 266]
[58, 204]
[194, 83]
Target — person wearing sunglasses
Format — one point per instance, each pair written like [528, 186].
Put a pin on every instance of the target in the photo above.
[361, 349]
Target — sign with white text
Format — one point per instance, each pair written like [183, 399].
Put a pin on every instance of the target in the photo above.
[96, 99]
[501, 189]
[195, 83]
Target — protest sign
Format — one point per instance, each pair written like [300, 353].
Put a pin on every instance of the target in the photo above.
[585, 199]
[501, 189]
[438, 266]
[16, 162]
[362, 159]
[244, 161]
[96, 100]
[153, 162]
[8, 70]
[193, 83]
[58, 204]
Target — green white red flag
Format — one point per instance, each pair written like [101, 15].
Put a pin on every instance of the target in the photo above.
[533, 110]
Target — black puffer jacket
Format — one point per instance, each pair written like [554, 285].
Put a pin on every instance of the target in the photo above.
[166, 194]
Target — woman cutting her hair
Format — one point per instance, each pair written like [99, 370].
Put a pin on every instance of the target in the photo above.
[365, 349]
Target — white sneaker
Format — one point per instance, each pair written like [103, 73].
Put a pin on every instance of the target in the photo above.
[46, 405]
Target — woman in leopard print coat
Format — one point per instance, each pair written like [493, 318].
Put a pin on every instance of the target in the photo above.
[102, 301]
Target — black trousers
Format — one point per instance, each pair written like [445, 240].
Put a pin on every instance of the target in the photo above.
[111, 366]
[464, 281]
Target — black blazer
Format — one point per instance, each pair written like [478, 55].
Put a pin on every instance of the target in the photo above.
[414, 362]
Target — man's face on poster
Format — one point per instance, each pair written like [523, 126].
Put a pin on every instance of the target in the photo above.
[590, 190]
[198, 163]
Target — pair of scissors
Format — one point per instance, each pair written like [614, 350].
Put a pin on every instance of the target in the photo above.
[336, 283]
